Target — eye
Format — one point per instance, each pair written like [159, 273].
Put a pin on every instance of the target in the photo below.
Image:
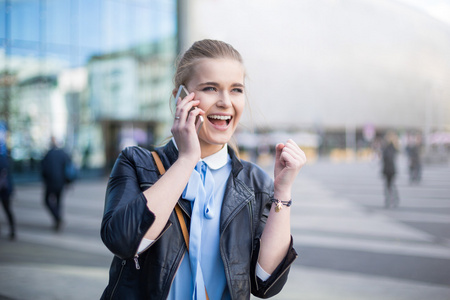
[209, 89]
[238, 90]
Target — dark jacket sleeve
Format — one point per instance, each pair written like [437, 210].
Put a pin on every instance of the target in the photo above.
[277, 280]
[126, 217]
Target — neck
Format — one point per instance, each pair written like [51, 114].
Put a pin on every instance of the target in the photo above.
[209, 149]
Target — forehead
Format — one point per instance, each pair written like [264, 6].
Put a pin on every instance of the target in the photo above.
[223, 70]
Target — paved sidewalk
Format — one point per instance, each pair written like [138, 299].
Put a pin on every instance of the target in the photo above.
[347, 251]
[342, 234]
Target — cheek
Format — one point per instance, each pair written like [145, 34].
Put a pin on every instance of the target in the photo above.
[239, 108]
[205, 103]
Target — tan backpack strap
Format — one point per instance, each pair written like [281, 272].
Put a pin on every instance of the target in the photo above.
[182, 225]
[158, 162]
[177, 207]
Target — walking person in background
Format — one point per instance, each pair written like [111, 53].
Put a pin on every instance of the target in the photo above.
[6, 182]
[389, 156]
[239, 239]
[53, 168]
[413, 150]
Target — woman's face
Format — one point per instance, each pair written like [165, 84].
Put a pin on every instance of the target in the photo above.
[219, 85]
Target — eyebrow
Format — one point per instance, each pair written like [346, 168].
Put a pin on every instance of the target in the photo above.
[217, 85]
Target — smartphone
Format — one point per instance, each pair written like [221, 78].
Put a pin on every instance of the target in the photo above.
[182, 93]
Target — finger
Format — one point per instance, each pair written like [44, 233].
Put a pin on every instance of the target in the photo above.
[194, 114]
[295, 153]
[291, 144]
[287, 157]
[180, 102]
[294, 149]
[183, 109]
[291, 148]
[278, 149]
[188, 98]
[186, 102]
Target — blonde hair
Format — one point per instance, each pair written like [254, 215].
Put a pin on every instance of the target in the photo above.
[202, 49]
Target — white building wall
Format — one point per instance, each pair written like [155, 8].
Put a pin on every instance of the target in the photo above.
[332, 63]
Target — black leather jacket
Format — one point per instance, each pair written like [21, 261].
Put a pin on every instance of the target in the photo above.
[149, 276]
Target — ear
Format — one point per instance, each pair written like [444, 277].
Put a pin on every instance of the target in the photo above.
[174, 92]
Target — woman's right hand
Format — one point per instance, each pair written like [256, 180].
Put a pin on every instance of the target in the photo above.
[170, 186]
[184, 128]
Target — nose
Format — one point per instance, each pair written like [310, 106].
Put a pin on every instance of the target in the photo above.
[224, 100]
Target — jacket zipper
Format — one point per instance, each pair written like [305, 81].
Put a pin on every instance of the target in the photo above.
[136, 256]
[250, 207]
[256, 279]
[136, 262]
[124, 262]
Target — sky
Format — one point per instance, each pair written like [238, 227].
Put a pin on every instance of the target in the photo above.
[438, 9]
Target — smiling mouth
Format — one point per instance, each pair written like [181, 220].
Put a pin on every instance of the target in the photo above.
[219, 120]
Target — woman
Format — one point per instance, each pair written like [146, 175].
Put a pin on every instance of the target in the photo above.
[240, 240]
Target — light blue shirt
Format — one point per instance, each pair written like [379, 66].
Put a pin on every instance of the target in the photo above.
[211, 261]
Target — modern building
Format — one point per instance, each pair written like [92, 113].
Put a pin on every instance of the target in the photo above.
[129, 95]
[95, 74]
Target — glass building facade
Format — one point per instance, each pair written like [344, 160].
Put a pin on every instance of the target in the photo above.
[94, 74]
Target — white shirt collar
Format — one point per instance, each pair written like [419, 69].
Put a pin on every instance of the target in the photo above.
[218, 159]
[214, 161]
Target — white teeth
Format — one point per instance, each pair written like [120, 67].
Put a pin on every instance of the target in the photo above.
[219, 117]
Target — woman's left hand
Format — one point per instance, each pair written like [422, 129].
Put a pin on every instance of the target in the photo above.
[276, 237]
[289, 160]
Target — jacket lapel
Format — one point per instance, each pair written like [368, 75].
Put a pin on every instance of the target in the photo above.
[237, 196]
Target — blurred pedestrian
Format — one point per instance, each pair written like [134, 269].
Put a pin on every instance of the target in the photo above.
[239, 239]
[413, 150]
[54, 166]
[389, 157]
[6, 182]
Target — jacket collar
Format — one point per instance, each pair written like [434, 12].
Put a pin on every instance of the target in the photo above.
[236, 165]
